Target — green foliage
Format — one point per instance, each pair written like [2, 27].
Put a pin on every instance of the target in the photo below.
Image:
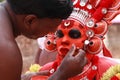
[1, 0]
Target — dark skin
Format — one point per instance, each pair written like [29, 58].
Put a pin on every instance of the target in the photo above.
[10, 57]
[11, 26]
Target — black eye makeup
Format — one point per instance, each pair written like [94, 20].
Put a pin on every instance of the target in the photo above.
[59, 33]
[74, 33]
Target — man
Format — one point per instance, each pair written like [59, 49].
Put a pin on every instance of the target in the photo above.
[32, 18]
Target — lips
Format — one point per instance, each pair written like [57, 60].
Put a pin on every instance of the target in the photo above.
[63, 51]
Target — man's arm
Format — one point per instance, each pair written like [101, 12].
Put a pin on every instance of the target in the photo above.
[37, 56]
[70, 66]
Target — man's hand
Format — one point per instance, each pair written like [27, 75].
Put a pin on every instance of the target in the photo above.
[71, 65]
[28, 76]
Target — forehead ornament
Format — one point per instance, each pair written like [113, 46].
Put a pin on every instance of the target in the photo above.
[66, 24]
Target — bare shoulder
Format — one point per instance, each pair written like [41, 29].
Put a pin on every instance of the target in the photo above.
[10, 56]
[5, 26]
[7, 40]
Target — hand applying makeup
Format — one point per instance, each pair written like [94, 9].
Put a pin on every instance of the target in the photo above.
[76, 64]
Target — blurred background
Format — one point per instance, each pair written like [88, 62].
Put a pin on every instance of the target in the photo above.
[29, 47]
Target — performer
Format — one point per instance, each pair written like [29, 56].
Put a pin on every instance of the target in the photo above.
[85, 28]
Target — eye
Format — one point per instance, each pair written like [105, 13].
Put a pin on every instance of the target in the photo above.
[59, 33]
[74, 33]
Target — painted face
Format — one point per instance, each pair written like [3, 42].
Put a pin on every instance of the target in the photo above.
[68, 33]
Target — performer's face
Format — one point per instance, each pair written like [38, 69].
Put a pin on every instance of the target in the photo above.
[74, 33]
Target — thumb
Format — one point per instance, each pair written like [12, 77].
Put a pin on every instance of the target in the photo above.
[81, 54]
[72, 50]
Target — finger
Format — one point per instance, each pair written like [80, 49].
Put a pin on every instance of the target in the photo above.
[72, 50]
[46, 72]
[81, 54]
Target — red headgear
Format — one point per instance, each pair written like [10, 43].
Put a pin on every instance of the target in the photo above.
[86, 26]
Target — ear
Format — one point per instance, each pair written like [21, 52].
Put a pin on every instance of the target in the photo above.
[29, 20]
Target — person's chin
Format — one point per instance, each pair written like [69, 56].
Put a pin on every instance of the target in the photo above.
[32, 37]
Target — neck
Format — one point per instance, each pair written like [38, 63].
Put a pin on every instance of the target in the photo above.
[12, 17]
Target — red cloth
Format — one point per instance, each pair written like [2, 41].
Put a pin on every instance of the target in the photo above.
[39, 78]
[98, 66]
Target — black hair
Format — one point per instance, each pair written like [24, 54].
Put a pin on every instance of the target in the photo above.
[43, 8]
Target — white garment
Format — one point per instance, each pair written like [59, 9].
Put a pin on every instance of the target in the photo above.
[41, 42]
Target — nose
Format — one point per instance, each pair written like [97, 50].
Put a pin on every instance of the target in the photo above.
[65, 41]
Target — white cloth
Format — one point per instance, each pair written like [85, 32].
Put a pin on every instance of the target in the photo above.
[41, 42]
